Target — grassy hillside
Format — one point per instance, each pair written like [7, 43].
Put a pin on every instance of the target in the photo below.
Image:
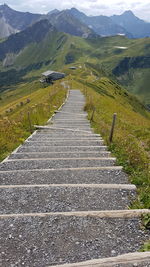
[131, 142]
[132, 63]
[24, 106]
[127, 60]
[24, 102]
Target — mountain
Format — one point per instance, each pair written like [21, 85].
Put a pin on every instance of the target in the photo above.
[74, 22]
[102, 25]
[137, 27]
[64, 21]
[41, 46]
[17, 42]
[5, 28]
[54, 11]
[12, 21]
[127, 61]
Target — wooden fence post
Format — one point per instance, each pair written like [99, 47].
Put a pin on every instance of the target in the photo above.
[112, 127]
[92, 116]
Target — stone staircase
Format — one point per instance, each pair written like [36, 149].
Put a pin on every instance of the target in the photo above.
[65, 202]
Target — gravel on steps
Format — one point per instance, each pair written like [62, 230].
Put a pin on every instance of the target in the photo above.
[29, 199]
[64, 176]
[35, 241]
[31, 164]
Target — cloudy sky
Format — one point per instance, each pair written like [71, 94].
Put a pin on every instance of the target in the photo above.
[90, 7]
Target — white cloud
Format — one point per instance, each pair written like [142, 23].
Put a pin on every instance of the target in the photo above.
[90, 7]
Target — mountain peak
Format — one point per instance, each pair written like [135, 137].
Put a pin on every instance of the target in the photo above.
[54, 11]
[76, 11]
[4, 6]
[78, 14]
[128, 13]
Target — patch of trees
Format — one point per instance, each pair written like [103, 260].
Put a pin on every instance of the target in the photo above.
[131, 62]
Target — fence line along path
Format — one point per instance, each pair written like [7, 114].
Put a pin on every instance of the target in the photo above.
[65, 202]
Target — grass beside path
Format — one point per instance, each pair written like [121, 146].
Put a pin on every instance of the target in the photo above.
[131, 142]
[27, 104]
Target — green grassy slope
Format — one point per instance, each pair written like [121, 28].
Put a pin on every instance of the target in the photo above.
[131, 142]
[95, 60]
[27, 101]
[134, 78]
[129, 66]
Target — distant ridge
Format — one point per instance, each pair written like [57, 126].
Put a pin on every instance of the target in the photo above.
[54, 11]
[102, 25]
[12, 21]
[5, 28]
[66, 22]
[17, 42]
[137, 27]
[75, 22]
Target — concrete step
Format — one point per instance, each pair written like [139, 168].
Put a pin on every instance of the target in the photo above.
[58, 155]
[95, 175]
[136, 259]
[70, 124]
[73, 106]
[64, 197]
[73, 111]
[79, 127]
[69, 113]
[54, 129]
[61, 138]
[30, 164]
[66, 136]
[67, 116]
[47, 239]
[61, 148]
[76, 120]
[64, 143]
[63, 134]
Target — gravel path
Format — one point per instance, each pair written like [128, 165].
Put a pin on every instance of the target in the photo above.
[62, 199]
[60, 170]
[38, 241]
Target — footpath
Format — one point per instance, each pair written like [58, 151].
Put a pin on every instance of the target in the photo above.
[65, 202]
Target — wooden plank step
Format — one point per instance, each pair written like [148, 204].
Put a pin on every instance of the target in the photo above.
[136, 259]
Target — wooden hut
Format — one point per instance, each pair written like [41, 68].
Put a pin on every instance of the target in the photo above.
[49, 76]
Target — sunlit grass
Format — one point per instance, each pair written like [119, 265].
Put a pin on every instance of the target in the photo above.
[131, 141]
[22, 106]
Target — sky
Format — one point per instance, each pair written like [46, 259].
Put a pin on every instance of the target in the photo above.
[90, 7]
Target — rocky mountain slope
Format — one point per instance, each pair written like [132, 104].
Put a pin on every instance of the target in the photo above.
[66, 22]
[102, 25]
[137, 27]
[74, 22]
[5, 28]
[41, 47]
[14, 21]
[33, 34]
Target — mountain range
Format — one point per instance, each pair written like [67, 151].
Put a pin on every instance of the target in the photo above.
[41, 46]
[74, 22]
[58, 39]
[12, 21]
